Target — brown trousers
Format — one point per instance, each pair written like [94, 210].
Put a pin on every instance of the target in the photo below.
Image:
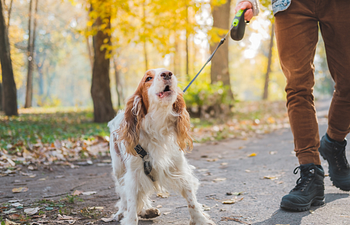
[297, 35]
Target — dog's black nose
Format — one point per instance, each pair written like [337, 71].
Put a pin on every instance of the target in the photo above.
[166, 75]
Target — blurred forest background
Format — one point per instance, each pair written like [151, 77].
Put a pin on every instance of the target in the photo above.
[53, 49]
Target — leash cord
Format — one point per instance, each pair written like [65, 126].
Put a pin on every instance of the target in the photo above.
[212, 55]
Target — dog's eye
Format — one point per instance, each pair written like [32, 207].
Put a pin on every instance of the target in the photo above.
[149, 78]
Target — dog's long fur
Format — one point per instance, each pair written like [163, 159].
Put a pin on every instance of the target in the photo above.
[156, 118]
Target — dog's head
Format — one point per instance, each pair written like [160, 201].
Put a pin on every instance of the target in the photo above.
[157, 89]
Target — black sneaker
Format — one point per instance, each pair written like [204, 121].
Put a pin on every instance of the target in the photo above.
[309, 190]
[339, 169]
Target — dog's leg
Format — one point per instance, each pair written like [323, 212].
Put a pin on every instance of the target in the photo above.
[132, 195]
[198, 216]
[121, 204]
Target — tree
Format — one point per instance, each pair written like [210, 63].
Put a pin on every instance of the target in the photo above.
[30, 53]
[9, 85]
[269, 62]
[220, 64]
[100, 87]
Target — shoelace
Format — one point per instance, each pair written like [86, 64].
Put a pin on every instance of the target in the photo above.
[304, 179]
[340, 158]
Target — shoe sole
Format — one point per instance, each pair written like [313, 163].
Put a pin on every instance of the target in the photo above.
[334, 182]
[317, 201]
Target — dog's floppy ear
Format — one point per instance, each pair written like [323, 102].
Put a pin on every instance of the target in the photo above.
[130, 129]
[183, 123]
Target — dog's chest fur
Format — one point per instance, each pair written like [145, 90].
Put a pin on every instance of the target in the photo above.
[157, 137]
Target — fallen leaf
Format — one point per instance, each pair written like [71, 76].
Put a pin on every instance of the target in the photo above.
[14, 216]
[107, 220]
[89, 193]
[252, 155]
[31, 168]
[232, 219]
[19, 190]
[64, 217]
[9, 222]
[77, 193]
[232, 201]
[219, 179]
[31, 175]
[212, 160]
[271, 120]
[96, 207]
[16, 204]
[163, 195]
[9, 211]
[31, 211]
[270, 177]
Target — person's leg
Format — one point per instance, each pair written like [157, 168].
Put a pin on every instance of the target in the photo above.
[297, 35]
[334, 18]
[334, 24]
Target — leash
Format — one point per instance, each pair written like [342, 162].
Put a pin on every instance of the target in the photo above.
[236, 32]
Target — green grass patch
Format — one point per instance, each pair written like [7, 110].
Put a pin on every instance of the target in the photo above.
[48, 126]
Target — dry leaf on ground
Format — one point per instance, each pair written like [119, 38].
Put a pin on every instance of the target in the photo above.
[89, 193]
[163, 195]
[219, 179]
[19, 190]
[232, 201]
[31, 211]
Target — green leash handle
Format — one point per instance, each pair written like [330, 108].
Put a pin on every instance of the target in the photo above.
[238, 25]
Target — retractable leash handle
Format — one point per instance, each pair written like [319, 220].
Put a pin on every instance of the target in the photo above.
[236, 32]
[238, 26]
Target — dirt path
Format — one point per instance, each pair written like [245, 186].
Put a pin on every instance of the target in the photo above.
[257, 172]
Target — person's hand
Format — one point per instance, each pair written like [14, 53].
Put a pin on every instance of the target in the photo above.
[248, 15]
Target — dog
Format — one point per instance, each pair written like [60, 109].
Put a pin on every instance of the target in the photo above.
[147, 145]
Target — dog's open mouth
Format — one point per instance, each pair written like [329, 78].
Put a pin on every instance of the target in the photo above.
[166, 92]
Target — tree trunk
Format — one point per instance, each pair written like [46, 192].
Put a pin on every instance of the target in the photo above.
[1, 107]
[176, 61]
[9, 97]
[144, 39]
[100, 89]
[188, 78]
[119, 87]
[31, 47]
[91, 57]
[268, 70]
[9, 14]
[219, 64]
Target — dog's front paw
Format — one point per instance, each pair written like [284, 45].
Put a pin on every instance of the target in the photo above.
[204, 219]
[118, 216]
[150, 213]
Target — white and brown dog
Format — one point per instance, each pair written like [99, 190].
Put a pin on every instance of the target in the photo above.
[147, 146]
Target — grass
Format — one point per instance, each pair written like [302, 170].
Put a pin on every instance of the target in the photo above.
[46, 126]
